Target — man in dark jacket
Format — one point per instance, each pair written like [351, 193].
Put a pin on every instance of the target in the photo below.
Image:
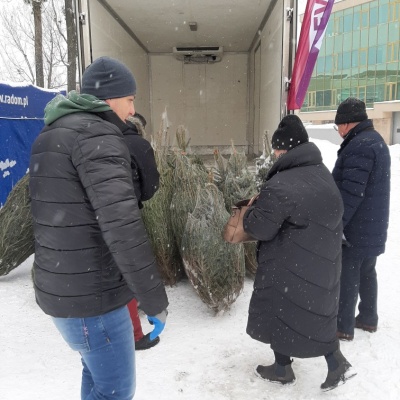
[92, 254]
[362, 174]
[297, 221]
[145, 179]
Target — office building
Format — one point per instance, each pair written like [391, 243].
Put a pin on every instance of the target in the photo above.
[359, 57]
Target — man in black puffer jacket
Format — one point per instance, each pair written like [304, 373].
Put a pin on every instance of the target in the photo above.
[92, 254]
[297, 221]
[362, 174]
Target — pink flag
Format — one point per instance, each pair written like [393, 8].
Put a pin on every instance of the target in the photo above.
[312, 32]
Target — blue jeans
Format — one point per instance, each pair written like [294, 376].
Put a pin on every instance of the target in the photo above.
[107, 350]
[358, 278]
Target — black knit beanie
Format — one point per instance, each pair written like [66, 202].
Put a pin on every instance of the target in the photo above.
[351, 110]
[108, 78]
[290, 133]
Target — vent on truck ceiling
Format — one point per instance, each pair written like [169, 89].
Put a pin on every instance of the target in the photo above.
[198, 55]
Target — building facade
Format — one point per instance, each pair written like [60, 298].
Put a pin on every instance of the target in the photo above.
[359, 57]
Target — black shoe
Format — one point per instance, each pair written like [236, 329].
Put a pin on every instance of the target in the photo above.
[340, 375]
[347, 337]
[277, 373]
[365, 327]
[145, 343]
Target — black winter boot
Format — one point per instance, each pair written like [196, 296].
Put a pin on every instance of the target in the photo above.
[340, 375]
[277, 373]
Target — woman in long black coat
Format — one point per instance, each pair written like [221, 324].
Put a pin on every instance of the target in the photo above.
[297, 221]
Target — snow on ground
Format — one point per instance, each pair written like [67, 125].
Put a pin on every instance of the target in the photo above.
[202, 356]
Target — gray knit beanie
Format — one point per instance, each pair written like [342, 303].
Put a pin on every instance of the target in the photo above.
[351, 110]
[108, 78]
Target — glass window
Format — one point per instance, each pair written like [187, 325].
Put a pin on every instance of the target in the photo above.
[339, 64]
[322, 51]
[347, 23]
[364, 19]
[356, 20]
[356, 38]
[370, 94]
[394, 31]
[334, 62]
[328, 64]
[380, 92]
[338, 24]
[390, 91]
[394, 11]
[391, 71]
[337, 82]
[347, 42]
[372, 36]
[329, 28]
[346, 60]
[381, 54]
[373, 16]
[343, 95]
[320, 65]
[311, 99]
[394, 14]
[327, 97]
[383, 14]
[354, 58]
[364, 38]
[372, 56]
[362, 93]
[328, 45]
[319, 98]
[381, 72]
[383, 34]
[327, 82]
[312, 85]
[393, 51]
[338, 44]
[371, 75]
[320, 83]
[346, 85]
[354, 91]
[362, 76]
[334, 97]
[305, 102]
[362, 57]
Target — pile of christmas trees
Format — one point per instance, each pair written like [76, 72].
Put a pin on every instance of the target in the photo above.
[184, 220]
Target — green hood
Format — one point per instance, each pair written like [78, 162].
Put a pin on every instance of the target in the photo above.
[74, 102]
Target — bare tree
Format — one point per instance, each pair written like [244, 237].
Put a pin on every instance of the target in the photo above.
[16, 44]
[59, 44]
[37, 19]
[72, 44]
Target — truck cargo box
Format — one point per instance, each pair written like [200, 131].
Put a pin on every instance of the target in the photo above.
[218, 67]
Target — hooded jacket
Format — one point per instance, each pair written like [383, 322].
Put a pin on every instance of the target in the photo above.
[362, 174]
[297, 220]
[92, 254]
[145, 175]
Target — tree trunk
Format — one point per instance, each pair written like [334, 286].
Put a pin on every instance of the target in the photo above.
[37, 17]
[71, 45]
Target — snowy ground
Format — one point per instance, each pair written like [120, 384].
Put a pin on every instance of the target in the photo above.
[202, 356]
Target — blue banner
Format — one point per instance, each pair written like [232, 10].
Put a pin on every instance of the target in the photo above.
[21, 120]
